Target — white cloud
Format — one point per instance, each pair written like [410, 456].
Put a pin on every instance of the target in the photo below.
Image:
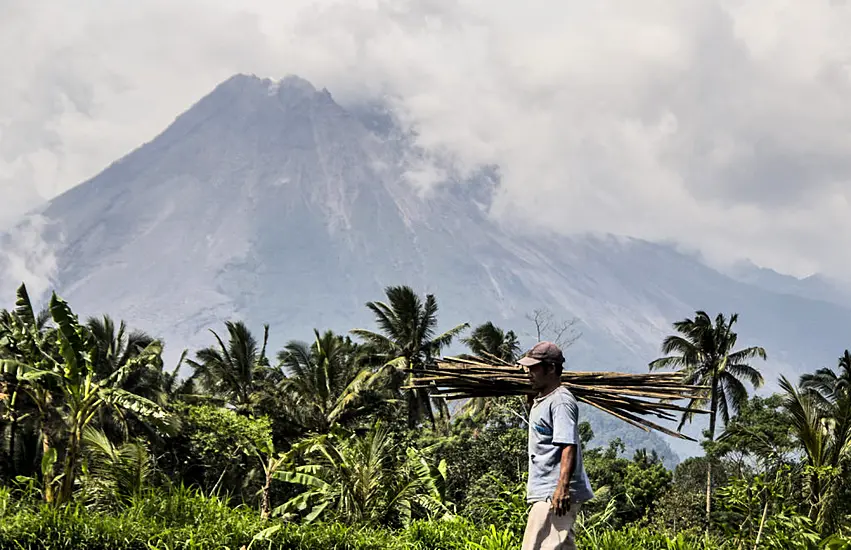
[721, 124]
[28, 258]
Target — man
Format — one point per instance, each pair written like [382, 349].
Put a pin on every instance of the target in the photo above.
[557, 484]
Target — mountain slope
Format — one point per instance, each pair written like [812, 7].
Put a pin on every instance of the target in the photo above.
[270, 202]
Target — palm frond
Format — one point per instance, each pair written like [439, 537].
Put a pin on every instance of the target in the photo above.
[741, 356]
[443, 340]
[735, 392]
[745, 372]
[383, 342]
[805, 423]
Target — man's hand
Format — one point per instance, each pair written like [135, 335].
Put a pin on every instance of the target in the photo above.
[561, 496]
[561, 500]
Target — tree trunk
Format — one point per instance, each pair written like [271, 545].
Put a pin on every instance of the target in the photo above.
[815, 496]
[69, 469]
[265, 503]
[713, 409]
[47, 477]
[10, 390]
[13, 441]
[762, 522]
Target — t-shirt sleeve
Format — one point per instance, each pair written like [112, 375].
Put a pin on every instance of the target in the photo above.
[565, 415]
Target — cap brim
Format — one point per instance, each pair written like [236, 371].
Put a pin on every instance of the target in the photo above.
[529, 361]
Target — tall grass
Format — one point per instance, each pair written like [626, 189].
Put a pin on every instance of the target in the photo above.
[185, 519]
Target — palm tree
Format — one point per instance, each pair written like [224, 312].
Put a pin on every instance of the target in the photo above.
[115, 346]
[408, 340]
[237, 371]
[115, 361]
[491, 343]
[821, 414]
[704, 353]
[826, 386]
[176, 388]
[326, 382]
[367, 479]
[115, 472]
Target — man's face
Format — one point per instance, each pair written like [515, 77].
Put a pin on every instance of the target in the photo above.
[540, 375]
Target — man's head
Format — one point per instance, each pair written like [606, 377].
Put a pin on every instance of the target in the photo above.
[544, 362]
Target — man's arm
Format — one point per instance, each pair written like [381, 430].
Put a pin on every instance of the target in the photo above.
[561, 496]
[565, 418]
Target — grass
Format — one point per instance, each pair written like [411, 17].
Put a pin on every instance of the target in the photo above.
[184, 519]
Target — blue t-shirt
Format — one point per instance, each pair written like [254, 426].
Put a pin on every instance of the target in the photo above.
[553, 423]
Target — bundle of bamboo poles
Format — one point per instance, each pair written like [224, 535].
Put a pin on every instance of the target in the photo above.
[629, 397]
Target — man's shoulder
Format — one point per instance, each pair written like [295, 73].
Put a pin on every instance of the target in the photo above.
[563, 395]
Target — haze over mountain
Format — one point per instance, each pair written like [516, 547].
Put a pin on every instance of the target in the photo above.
[270, 202]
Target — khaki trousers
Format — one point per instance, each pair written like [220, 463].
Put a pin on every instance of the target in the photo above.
[547, 531]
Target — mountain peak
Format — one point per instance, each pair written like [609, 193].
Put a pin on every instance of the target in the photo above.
[287, 89]
[292, 84]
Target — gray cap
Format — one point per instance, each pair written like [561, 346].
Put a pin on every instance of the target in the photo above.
[543, 352]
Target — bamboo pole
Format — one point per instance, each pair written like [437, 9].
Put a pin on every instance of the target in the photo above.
[626, 396]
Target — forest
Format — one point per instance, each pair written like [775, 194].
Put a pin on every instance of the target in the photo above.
[320, 445]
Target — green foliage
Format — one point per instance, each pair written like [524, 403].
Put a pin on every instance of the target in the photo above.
[114, 474]
[471, 454]
[215, 431]
[448, 534]
[185, 519]
[635, 485]
[58, 374]
[760, 435]
[367, 479]
[328, 383]
[759, 513]
[836, 542]
[494, 539]
[408, 339]
[216, 447]
[237, 371]
[493, 500]
[679, 509]
[682, 506]
[820, 412]
[491, 343]
[90, 423]
[703, 350]
[636, 538]
[823, 429]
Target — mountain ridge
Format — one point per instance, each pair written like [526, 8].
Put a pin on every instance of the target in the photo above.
[268, 201]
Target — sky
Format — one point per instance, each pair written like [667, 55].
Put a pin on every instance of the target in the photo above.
[723, 126]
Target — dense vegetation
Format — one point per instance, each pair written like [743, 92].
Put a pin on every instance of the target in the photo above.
[319, 445]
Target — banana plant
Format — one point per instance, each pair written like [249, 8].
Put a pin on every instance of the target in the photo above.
[272, 463]
[83, 395]
[55, 368]
[27, 350]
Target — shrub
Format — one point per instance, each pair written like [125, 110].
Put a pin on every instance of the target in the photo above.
[450, 534]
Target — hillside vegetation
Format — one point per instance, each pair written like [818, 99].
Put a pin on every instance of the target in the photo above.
[319, 444]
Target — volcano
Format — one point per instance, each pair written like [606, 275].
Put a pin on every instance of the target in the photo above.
[270, 202]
